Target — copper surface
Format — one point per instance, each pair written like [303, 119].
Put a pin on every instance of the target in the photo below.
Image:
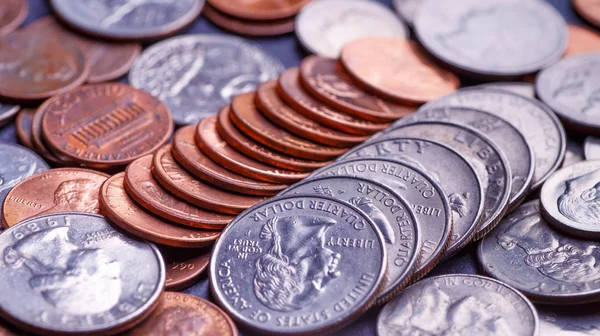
[23, 126]
[589, 10]
[38, 142]
[249, 27]
[582, 40]
[259, 10]
[14, 12]
[184, 266]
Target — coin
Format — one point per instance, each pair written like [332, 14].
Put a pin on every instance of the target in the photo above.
[196, 75]
[407, 9]
[591, 148]
[547, 266]
[589, 10]
[7, 112]
[324, 27]
[259, 10]
[128, 20]
[184, 314]
[582, 40]
[289, 254]
[452, 171]
[324, 79]
[521, 88]
[453, 304]
[145, 190]
[390, 213]
[416, 78]
[422, 193]
[14, 12]
[184, 266]
[573, 154]
[569, 320]
[38, 143]
[536, 121]
[249, 27]
[105, 125]
[23, 125]
[19, 164]
[530, 35]
[75, 267]
[211, 143]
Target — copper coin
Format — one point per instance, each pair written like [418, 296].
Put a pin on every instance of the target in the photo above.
[105, 125]
[13, 13]
[397, 69]
[247, 118]
[23, 124]
[259, 10]
[55, 190]
[249, 147]
[145, 190]
[122, 210]
[249, 27]
[582, 40]
[191, 158]
[184, 266]
[38, 142]
[281, 114]
[589, 10]
[184, 314]
[292, 92]
[179, 182]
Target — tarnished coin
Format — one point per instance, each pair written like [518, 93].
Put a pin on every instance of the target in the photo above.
[521, 88]
[407, 9]
[128, 20]
[420, 191]
[574, 153]
[23, 124]
[582, 40]
[7, 112]
[324, 27]
[591, 148]
[259, 10]
[51, 191]
[39, 145]
[19, 163]
[391, 214]
[589, 10]
[547, 266]
[183, 266]
[317, 258]
[579, 320]
[459, 304]
[14, 12]
[196, 75]
[533, 119]
[493, 38]
[262, 28]
[66, 272]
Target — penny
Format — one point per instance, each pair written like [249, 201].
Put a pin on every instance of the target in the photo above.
[184, 266]
[75, 267]
[179, 182]
[23, 125]
[453, 304]
[573, 154]
[324, 27]
[14, 12]
[247, 118]
[521, 88]
[249, 147]
[391, 214]
[420, 191]
[259, 10]
[589, 10]
[19, 164]
[324, 79]
[105, 125]
[407, 9]
[196, 75]
[191, 158]
[38, 143]
[529, 35]
[569, 320]
[7, 112]
[552, 268]
[249, 27]
[184, 314]
[128, 20]
[397, 69]
[52, 191]
[582, 40]
[302, 265]
[143, 188]
[533, 119]
[211, 143]
[591, 148]
[452, 171]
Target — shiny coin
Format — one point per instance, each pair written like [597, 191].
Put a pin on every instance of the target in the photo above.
[407, 9]
[23, 125]
[521, 88]
[184, 266]
[589, 10]
[289, 254]
[14, 12]
[580, 320]
[196, 75]
[574, 153]
[591, 148]
[259, 10]
[582, 40]
[75, 267]
[459, 304]
[262, 28]
[7, 112]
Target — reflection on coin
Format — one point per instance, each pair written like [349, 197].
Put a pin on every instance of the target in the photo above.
[574, 153]
[23, 124]
[14, 12]
[580, 320]
[7, 112]
[582, 40]
[547, 266]
[259, 10]
[458, 304]
[315, 256]
[75, 267]
[248, 27]
[183, 266]
[407, 9]
[591, 148]
[196, 75]
[521, 88]
[589, 10]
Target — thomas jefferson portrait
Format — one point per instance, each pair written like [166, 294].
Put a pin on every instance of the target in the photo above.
[79, 195]
[580, 202]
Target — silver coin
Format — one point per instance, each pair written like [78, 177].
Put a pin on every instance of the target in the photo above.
[128, 19]
[407, 9]
[452, 171]
[547, 266]
[459, 304]
[492, 38]
[7, 112]
[580, 320]
[591, 148]
[573, 154]
[73, 273]
[520, 88]
[324, 27]
[570, 201]
[390, 213]
[533, 119]
[196, 75]
[298, 264]
[422, 193]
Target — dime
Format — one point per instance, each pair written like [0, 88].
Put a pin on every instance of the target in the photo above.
[324, 27]
[521, 88]
[259, 10]
[591, 148]
[236, 25]
[573, 154]
[23, 125]
[7, 112]
[105, 125]
[128, 20]
[320, 258]
[569, 320]
[416, 78]
[117, 206]
[423, 194]
[196, 75]
[184, 314]
[19, 164]
[589, 10]
[530, 35]
[184, 266]
[459, 304]
[14, 12]
[407, 9]
[582, 40]
[75, 267]
[390, 213]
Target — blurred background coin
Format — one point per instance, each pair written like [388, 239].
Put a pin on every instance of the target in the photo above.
[591, 148]
[14, 12]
